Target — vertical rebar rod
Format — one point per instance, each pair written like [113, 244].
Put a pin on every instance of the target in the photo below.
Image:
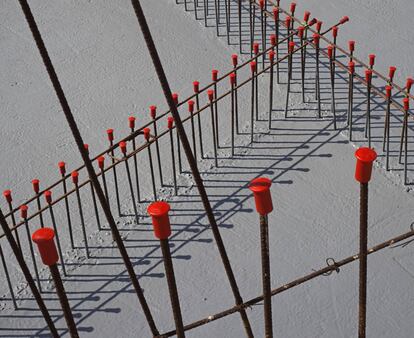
[406, 148]
[226, 8]
[193, 135]
[302, 67]
[368, 115]
[131, 189]
[277, 22]
[32, 254]
[251, 27]
[267, 290]
[318, 82]
[118, 203]
[262, 26]
[236, 102]
[252, 105]
[205, 10]
[213, 130]
[386, 139]
[68, 217]
[363, 259]
[9, 284]
[16, 234]
[172, 287]
[216, 9]
[240, 26]
[62, 261]
[39, 209]
[350, 103]
[271, 76]
[173, 162]
[157, 149]
[288, 83]
[232, 119]
[85, 237]
[191, 161]
[200, 135]
[154, 189]
[95, 206]
[332, 73]
[216, 115]
[136, 173]
[63, 299]
[26, 273]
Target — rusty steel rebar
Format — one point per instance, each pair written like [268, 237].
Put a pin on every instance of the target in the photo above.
[172, 287]
[92, 175]
[26, 272]
[187, 148]
[62, 168]
[363, 243]
[326, 271]
[8, 280]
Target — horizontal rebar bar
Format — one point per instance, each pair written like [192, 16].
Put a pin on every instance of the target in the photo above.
[316, 273]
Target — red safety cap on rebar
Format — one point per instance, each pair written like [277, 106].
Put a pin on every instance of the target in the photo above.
[261, 4]
[232, 78]
[147, 133]
[7, 195]
[291, 46]
[409, 84]
[44, 238]
[301, 31]
[406, 103]
[319, 26]
[365, 158]
[351, 67]
[191, 106]
[123, 147]
[330, 51]
[288, 21]
[153, 111]
[23, 211]
[262, 197]
[344, 20]
[86, 147]
[253, 66]
[256, 48]
[62, 167]
[160, 219]
[48, 196]
[175, 98]
[316, 38]
[271, 55]
[75, 177]
[392, 72]
[334, 31]
[214, 75]
[101, 162]
[234, 58]
[293, 8]
[275, 13]
[36, 185]
[272, 39]
[368, 75]
[371, 60]
[110, 133]
[170, 120]
[351, 45]
[131, 120]
[312, 22]
[210, 94]
[306, 16]
[196, 86]
[388, 90]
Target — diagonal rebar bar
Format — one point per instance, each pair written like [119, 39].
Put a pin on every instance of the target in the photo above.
[88, 164]
[191, 161]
